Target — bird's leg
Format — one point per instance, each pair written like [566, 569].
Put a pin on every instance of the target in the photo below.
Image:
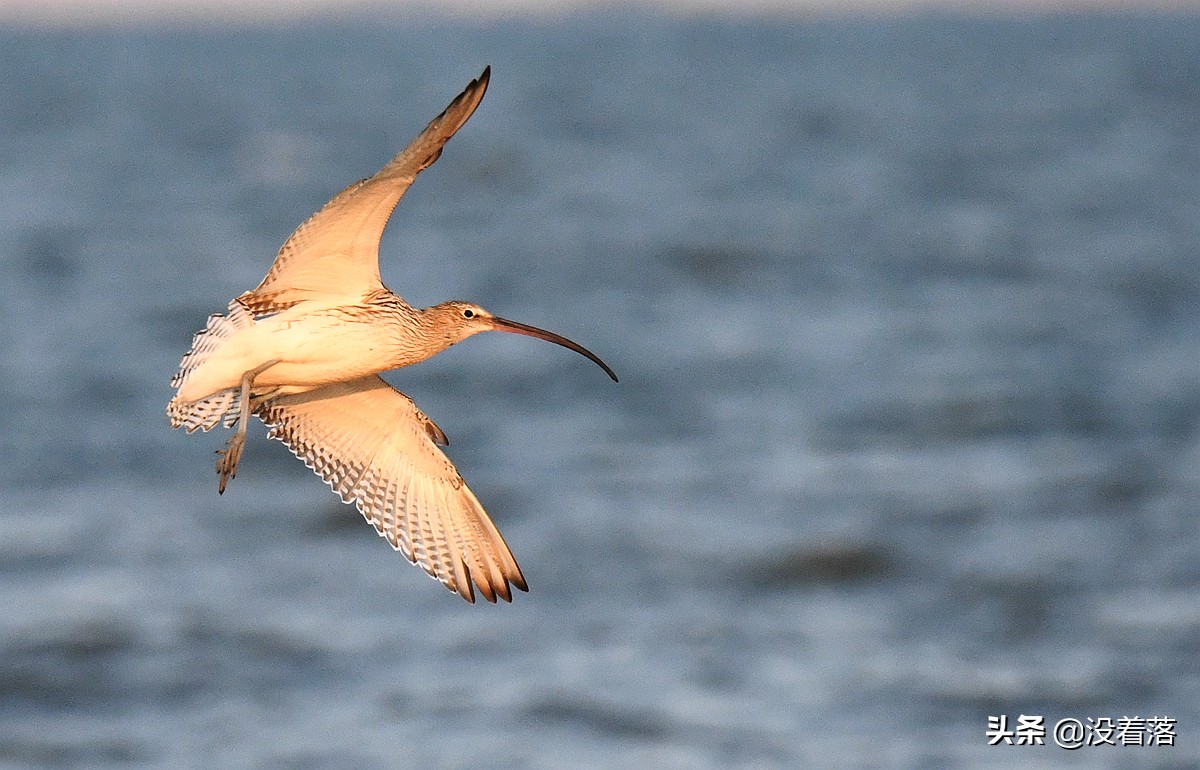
[227, 465]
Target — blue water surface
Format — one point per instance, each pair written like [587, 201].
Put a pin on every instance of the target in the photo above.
[907, 433]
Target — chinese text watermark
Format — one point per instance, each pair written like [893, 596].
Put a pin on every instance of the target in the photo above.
[1072, 733]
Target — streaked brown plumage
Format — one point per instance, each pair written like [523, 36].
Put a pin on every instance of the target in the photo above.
[303, 352]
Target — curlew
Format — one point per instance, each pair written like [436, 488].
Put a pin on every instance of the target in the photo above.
[304, 350]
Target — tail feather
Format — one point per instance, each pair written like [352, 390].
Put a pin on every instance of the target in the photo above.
[220, 407]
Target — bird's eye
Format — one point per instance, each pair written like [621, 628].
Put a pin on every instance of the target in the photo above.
[468, 313]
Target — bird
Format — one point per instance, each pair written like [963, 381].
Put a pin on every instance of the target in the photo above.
[304, 350]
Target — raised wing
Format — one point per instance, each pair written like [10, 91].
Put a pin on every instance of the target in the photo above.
[372, 445]
[336, 252]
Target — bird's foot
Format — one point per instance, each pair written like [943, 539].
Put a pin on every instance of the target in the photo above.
[227, 465]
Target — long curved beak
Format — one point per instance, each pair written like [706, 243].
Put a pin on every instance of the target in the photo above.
[505, 325]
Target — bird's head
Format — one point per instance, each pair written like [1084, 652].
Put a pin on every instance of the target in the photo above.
[455, 321]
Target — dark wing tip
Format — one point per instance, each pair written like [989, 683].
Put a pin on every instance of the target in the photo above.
[474, 91]
[492, 592]
[428, 145]
[504, 590]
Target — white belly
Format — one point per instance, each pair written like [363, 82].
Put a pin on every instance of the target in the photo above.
[311, 347]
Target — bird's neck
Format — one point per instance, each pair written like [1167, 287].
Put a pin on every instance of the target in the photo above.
[417, 335]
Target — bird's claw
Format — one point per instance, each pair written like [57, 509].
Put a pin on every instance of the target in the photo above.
[230, 455]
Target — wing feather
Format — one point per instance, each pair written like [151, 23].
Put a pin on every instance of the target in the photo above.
[335, 253]
[471, 546]
[371, 444]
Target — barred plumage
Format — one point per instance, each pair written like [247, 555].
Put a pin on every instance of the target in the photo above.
[303, 352]
[398, 479]
[222, 406]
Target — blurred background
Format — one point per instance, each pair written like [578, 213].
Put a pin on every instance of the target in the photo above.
[903, 301]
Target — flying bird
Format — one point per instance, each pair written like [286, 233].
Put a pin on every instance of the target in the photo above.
[304, 350]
